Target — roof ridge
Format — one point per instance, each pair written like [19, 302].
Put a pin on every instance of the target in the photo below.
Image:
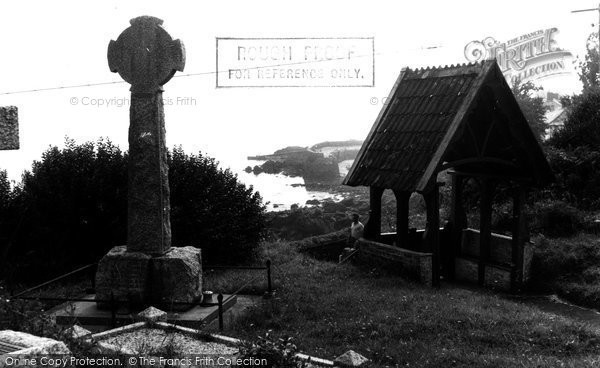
[445, 67]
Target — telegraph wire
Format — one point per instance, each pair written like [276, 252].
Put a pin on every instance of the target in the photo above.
[85, 85]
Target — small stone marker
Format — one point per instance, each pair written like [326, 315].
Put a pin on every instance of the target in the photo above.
[9, 128]
[147, 270]
[77, 332]
[350, 359]
[152, 314]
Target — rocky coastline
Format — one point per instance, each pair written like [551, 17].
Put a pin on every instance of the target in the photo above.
[318, 164]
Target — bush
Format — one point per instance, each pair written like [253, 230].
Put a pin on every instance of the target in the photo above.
[556, 218]
[573, 153]
[299, 223]
[71, 208]
[568, 267]
[577, 173]
[211, 210]
[582, 126]
[280, 353]
[502, 218]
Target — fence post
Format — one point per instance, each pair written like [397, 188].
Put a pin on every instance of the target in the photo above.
[11, 284]
[269, 286]
[220, 299]
[92, 274]
[113, 312]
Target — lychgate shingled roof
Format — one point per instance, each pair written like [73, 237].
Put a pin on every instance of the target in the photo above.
[463, 116]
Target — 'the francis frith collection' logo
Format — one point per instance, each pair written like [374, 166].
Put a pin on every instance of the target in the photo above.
[528, 57]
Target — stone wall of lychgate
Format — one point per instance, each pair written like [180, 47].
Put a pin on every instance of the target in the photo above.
[327, 246]
[408, 263]
[498, 269]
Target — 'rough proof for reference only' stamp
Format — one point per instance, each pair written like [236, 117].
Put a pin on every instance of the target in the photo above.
[296, 62]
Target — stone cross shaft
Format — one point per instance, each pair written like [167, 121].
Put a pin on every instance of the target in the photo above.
[147, 57]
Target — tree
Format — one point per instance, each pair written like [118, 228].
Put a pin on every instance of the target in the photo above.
[574, 152]
[532, 106]
[577, 173]
[71, 208]
[5, 190]
[8, 220]
[589, 67]
[582, 126]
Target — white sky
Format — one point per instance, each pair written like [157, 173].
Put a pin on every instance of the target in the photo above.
[57, 43]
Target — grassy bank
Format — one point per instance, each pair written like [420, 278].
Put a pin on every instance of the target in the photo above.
[329, 309]
[569, 267]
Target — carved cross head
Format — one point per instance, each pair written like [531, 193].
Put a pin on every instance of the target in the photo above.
[145, 55]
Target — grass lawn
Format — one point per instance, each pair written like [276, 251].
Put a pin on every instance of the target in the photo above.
[328, 309]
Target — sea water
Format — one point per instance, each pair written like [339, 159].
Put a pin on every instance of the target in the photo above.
[280, 192]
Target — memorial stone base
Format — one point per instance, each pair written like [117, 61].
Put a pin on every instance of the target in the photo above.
[138, 280]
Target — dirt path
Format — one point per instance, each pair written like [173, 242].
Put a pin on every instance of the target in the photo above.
[549, 303]
[554, 304]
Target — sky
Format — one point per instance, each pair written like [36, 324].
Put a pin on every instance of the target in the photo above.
[46, 44]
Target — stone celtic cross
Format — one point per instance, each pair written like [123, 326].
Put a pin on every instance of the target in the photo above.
[148, 271]
[147, 57]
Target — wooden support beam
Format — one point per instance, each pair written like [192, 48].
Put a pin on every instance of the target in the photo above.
[432, 231]
[515, 178]
[373, 228]
[402, 202]
[485, 227]
[457, 222]
[479, 160]
[519, 237]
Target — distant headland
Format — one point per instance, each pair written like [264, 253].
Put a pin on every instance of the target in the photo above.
[325, 162]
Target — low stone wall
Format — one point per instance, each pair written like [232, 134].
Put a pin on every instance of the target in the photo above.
[326, 246]
[496, 277]
[499, 268]
[500, 246]
[415, 265]
[415, 239]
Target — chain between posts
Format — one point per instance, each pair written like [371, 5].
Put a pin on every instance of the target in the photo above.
[113, 303]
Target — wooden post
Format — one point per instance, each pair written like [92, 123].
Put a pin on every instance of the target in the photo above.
[519, 237]
[432, 230]
[92, 276]
[402, 200]
[458, 221]
[113, 311]
[485, 230]
[269, 286]
[373, 228]
[220, 301]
